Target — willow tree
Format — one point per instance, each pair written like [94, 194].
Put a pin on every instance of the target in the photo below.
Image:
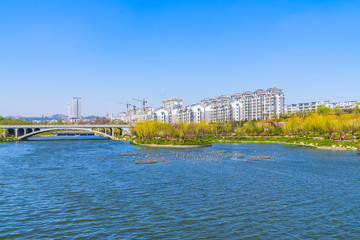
[203, 128]
[322, 109]
[293, 125]
[249, 127]
[351, 123]
[259, 127]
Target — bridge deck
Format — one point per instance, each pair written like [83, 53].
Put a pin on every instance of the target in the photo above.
[65, 126]
[22, 132]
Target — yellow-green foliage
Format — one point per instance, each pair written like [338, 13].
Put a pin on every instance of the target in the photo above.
[13, 121]
[148, 130]
[323, 124]
[314, 124]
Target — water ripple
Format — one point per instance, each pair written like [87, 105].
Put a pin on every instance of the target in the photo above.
[61, 190]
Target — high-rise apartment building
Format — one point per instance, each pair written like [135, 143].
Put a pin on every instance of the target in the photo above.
[261, 104]
[247, 106]
[75, 108]
[258, 105]
[172, 103]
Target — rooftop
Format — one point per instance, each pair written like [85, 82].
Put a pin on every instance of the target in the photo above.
[173, 99]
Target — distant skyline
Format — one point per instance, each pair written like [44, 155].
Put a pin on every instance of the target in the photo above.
[112, 51]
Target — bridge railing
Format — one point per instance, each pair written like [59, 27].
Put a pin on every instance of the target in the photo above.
[65, 126]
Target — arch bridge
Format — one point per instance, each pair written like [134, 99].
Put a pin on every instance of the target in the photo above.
[23, 132]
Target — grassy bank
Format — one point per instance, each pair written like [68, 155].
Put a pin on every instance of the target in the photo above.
[8, 139]
[290, 141]
[301, 142]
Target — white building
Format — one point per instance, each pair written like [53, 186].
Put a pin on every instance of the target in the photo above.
[258, 105]
[346, 105]
[173, 116]
[304, 107]
[74, 108]
[110, 116]
[261, 104]
[198, 113]
[161, 115]
[238, 113]
[221, 113]
[184, 114]
[122, 117]
[192, 113]
[145, 115]
[172, 103]
[312, 106]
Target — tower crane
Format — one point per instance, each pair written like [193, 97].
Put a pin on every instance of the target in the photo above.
[143, 101]
[134, 106]
[127, 107]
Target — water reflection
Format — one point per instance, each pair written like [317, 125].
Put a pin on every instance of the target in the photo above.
[65, 138]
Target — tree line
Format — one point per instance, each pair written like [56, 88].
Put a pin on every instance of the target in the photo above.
[323, 123]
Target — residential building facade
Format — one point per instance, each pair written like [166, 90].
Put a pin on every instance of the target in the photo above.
[258, 105]
[172, 103]
[312, 106]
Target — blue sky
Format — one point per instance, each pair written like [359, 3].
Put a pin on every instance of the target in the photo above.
[109, 51]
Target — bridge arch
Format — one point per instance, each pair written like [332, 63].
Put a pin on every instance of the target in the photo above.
[21, 131]
[38, 130]
[28, 130]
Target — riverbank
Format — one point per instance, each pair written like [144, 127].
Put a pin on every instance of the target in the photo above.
[338, 146]
[7, 139]
[315, 143]
[299, 142]
[172, 146]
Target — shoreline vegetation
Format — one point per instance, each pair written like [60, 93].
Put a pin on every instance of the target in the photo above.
[338, 146]
[325, 128]
[172, 145]
[305, 143]
[7, 139]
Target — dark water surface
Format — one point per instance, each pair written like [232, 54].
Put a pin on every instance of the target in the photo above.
[61, 190]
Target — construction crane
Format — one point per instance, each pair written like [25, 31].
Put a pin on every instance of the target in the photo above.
[143, 101]
[127, 107]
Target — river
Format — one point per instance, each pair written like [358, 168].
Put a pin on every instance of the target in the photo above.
[63, 190]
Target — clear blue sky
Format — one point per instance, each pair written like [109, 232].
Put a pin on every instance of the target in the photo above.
[109, 51]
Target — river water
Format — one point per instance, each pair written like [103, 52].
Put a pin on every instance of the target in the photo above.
[61, 190]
